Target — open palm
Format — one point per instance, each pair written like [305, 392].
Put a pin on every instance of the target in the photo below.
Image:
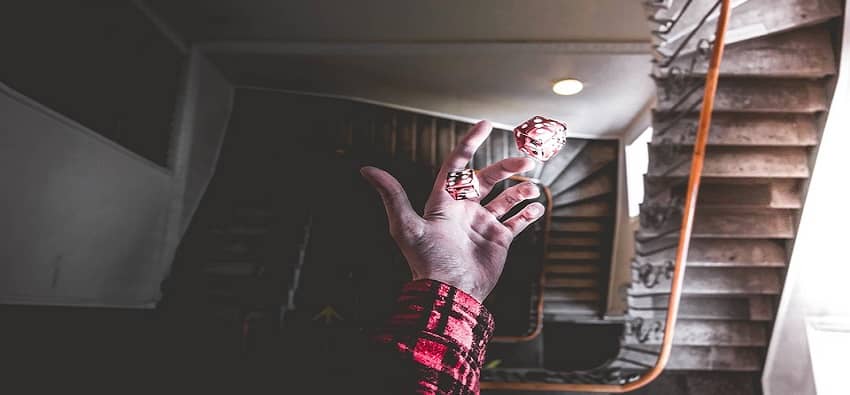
[459, 242]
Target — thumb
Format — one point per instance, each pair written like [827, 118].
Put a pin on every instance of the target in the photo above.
[403, 220]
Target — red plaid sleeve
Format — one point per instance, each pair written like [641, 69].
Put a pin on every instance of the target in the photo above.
[443, 332]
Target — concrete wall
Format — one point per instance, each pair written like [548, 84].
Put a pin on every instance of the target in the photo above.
[207, 111]
[82, 218]
[816, 287]
[85, 221]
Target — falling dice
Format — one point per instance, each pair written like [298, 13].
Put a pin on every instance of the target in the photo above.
[462, 184]
[541, 138]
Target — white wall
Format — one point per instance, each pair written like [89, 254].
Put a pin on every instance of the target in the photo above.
[817, 288]
[206, 113]
[82, 218]
[86, 222]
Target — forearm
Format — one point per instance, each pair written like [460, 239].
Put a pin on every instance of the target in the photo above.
[440, 333]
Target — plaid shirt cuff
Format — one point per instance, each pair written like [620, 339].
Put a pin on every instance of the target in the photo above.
[445, 331]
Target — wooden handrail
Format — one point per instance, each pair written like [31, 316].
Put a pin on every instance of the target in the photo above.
[547, 224]
[684, 238]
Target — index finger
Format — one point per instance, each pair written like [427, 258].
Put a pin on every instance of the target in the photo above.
[458, 159]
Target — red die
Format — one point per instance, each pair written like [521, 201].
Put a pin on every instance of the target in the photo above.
[541, 138]
[462, 184]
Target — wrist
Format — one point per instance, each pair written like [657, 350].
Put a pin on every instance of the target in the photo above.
[462, 284]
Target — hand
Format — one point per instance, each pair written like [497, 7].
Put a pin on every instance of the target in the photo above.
[459, 242]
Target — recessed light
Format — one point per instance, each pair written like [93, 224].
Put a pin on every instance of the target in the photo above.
[567, 87]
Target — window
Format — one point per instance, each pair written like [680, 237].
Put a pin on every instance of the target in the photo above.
[637, 163]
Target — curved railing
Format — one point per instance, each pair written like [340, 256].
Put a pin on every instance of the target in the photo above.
[610, 378]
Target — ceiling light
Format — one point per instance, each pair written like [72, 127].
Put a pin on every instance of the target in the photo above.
[567, 87]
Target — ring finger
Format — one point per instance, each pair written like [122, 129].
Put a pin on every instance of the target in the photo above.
[511, 197]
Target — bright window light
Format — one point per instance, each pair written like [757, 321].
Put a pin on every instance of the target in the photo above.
[637, 163]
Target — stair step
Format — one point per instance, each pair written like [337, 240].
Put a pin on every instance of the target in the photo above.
[230, 268]
[726, 253]
[574, 255]
[570, 295]
[555, 167]
[798, 53]
[571, 268]
[754, 18]
[237, 249]
[240, 230]
[580, 226]
[709, 281]
[595, 156]
[586, 209]
[727, 193]
[748, 129]
[553, 310]
[725, 223]
[733, 162]
[252, 210]
[566, 282]
[604, 182]
[703, 333]
[747, 359]
[646, 245]
[750, 308]
[574, 241]
[754, 95]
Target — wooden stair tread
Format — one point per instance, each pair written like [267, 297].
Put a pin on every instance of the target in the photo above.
[718, 281]
[604, 182]
[593, 157]
[240, 230]
[743, 129]
[726, 253]
[558, 164]
[728, 223]
[582, 226]
[747, 359]
[574, 241]
[709, 333]
[586, 209]
[752, 308]
[570, 309]
[570, 295]
[230, 267]
[574, 255]
[735, 162]
[757, 95]
[758, 18]
[805, 52]
[570, 282]
[571, 268]
[728, 192]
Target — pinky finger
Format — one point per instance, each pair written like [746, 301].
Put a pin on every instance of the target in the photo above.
[525, 217]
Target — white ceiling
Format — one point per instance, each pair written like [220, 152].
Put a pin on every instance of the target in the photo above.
[486, 59]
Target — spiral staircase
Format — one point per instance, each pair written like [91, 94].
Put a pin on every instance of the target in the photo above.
[773, 91]
[775, 82]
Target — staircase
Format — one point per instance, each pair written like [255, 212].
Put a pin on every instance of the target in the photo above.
[583, 183]
[773, 90]
[247, 264]
[582, 180]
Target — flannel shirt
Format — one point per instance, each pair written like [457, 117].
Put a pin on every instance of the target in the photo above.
[439, 335]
